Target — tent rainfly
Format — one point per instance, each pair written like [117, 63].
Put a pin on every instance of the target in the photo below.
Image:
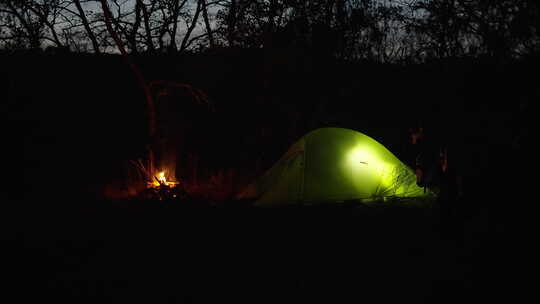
[334, 165]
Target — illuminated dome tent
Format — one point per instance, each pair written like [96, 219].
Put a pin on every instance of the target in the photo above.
[332, 165]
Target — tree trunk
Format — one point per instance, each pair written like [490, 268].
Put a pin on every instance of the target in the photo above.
[142, 83]
[175, 13]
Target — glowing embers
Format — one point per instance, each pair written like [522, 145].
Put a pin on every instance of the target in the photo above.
[163, 187]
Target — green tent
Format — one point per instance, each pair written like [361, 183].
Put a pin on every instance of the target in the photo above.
[334, 165]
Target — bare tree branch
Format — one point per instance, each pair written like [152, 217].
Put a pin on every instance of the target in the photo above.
[192, 26]
[86, 25]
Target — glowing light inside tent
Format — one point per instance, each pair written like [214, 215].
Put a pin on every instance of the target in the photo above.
[363, 158]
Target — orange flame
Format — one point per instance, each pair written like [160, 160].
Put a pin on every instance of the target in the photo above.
[161, 180]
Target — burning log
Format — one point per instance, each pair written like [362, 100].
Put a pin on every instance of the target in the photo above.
[163, 189]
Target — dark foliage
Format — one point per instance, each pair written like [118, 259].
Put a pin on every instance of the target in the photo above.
[77, 118]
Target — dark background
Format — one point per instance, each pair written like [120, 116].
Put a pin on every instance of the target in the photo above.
[78, 118]
[74, 115]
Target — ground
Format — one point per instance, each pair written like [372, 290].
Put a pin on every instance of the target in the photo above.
[167, 252]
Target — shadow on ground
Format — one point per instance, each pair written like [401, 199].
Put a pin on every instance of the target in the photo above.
[173, 252]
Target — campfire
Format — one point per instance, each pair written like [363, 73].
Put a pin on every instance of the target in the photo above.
[160, 184]
[161, 180]
[164, 187]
